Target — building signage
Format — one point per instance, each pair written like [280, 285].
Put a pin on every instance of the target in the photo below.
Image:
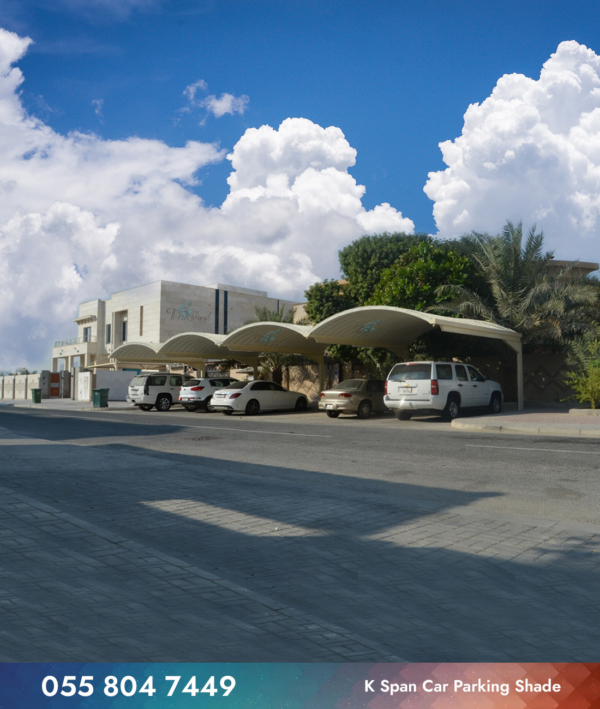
[186, 312]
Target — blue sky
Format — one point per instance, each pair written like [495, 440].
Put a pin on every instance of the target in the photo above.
[247, 141]
[396, 77]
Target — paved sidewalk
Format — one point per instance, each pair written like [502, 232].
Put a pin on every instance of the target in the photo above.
[541, 422]
[71, 591]
[112, 553]
[64, 405]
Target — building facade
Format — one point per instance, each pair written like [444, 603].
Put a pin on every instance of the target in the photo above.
[155, 312]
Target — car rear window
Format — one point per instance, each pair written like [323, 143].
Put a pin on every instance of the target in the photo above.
[191, 382]
[237, 385]
[138, 381]
[409, 372]
[349, 384]
[444, 371]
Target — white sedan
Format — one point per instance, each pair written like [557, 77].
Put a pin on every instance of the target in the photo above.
[253, 397]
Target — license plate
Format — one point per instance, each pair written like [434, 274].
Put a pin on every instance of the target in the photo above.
[218, 396]
[330, 406]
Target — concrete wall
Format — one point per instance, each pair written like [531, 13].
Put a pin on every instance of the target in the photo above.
[9, 388]
[117, 382]
[542, 376]
[129, 302]
[39, 381]
[20, 386]
[85, 384]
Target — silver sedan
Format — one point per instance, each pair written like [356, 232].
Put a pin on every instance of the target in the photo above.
[354, 396]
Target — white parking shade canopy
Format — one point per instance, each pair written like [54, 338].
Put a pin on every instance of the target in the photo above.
[137, 352]
[397, 328]
[275, 337]
[194, 345]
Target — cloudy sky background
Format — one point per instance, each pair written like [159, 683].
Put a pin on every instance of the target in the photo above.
[246, 143]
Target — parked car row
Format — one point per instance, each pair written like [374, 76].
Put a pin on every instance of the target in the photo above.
[225, 394]
[415, 388]
[411, 388]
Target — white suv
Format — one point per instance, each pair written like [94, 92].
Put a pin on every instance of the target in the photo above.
[160, 390]
[446, 387]
[196, 393]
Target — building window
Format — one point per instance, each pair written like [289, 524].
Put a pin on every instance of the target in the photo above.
[124, 331]
[141, 320]
[87, 334]
[108, 334]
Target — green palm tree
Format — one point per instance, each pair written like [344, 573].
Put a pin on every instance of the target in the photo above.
[546, 305]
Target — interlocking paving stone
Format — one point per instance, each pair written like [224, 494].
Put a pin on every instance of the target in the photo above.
[142, 552]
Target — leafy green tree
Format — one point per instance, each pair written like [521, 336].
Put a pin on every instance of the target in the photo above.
[526, 294]
[586, 385]
[326, 299]
[414, 279]
[363, 261]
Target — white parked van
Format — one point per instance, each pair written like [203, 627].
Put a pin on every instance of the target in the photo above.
[442, 387]
[160, 390]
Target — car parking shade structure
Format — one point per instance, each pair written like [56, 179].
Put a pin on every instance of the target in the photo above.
[282, 338]
[397, 328]
[369, 326]
[191, 348]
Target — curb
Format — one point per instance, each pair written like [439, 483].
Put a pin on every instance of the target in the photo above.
[530, 429]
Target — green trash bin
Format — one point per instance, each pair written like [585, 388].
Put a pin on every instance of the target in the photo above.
[100, 398]
[36, 396]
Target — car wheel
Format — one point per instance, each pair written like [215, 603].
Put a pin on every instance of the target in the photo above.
[163, 402]
[403, 415]
[206, 404]
[253, 408]
[364, 409]
[496, 404]
[145, 407]
[452, 408]
[191, 409]
[333, 414]
[301, 404]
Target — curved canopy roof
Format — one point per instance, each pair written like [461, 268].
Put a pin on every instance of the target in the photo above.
[137, 352]
[196, 345]
[368, 326]
[274, 337]
[396, 328]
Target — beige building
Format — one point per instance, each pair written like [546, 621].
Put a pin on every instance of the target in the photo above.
[155, 312]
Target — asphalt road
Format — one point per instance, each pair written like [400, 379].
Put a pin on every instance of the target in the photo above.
[422, 460]
[383, 539]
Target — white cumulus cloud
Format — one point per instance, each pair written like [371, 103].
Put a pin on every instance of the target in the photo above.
[82, 217]
[531, 152]
[227, 103]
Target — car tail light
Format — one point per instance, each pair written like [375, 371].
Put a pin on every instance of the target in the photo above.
[386, 391]
[346, 396]
[435, 390]
[196, 388]
[235, 396]
[321, 395]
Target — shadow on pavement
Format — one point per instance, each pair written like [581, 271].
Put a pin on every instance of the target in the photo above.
[426, 583]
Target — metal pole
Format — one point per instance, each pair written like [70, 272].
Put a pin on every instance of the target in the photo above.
[520, 388]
